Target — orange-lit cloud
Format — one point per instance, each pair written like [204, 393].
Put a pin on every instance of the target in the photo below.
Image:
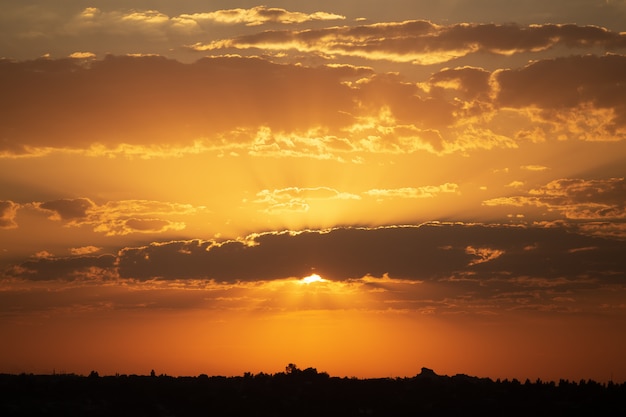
[119, 217]
[258, 15]
[8, 210]
[483, 254]
[423, 42]
[92, 19]
[575, 199]
[84, 250]
[412, 192]
[534, 167]
[296, 199]
[252, 106]
[155, 25]
[82, 55]
[582, 103]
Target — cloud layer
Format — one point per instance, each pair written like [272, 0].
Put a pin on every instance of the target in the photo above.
[425, 43]
[152, 106]
[426, 252]
[456, 266]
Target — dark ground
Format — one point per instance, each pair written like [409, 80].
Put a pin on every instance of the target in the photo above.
[305, 392]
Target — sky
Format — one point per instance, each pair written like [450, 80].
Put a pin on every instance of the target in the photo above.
[362, 187]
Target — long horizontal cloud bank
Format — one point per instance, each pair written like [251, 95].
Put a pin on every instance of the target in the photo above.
[431, 252]
[423, 42]
[154, 106]
[421, 253]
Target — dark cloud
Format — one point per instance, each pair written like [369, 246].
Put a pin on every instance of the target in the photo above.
[119, 217]
[511, 38]
[428, 252]
[252, 105]
[577, 96]
[143, 100]
[472, 82]
[69, 209]
[69, 268]
[443, 267]
[566, 82]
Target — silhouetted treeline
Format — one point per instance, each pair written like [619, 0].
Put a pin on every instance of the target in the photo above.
[307, 392]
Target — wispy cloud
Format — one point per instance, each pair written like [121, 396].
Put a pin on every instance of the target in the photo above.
[119, 217]
[428, 191]
[423, 42]
[154, 25]
[575, 198]
[258, 15]
[297, 199]
[84, 250]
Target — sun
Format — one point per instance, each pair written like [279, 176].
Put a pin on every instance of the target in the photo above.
[313, 278]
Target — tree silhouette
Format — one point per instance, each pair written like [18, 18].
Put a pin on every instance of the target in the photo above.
[303, 393]
[291, 369]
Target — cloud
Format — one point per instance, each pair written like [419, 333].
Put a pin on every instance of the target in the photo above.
[154, 26]
[133, 216]
[117, 105]
[48, 268]
[149, 226]
[584, 199]
[429, 252]
[259, 15]
[44, 254]
[534, 167]
[119, 217]
[575, 95]
[82, 55]
[423, 42]
[297, 199]
[134, 106]
[428, 191]
[68, 209]
[472, 82]
[436, 267]
[257, 107]
[483, 254]
[84, 250]
[577, 200]
[515, 184]
[604, 229]
[93, 19]
[8, 211]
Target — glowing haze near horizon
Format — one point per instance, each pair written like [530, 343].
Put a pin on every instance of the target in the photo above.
[361, 187]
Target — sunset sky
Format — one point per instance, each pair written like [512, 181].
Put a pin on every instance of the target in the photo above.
[364, 187]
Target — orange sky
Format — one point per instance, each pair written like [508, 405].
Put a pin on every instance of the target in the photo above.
[454, 173]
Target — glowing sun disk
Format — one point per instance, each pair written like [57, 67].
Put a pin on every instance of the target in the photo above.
[312, 279]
